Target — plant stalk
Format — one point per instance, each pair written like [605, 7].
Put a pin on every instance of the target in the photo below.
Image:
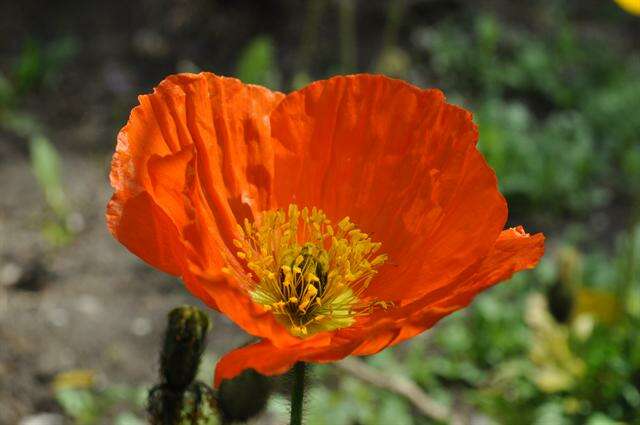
[297, 393]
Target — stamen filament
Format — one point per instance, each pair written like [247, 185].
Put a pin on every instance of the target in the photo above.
[311, 275]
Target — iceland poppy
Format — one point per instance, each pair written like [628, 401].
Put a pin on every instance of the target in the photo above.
[339, 219]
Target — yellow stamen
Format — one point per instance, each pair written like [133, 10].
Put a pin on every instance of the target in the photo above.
[309, 273]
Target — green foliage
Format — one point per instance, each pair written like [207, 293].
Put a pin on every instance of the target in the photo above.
[6, 91]
[258, 63]
[354, 402]
[555, 112]
[88, 406]
[509, 358]
[39, 65]
[45, 163]
[606, 387]
[46, 166]
[540, 164]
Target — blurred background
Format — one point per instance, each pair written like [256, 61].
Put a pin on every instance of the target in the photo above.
[555, 88]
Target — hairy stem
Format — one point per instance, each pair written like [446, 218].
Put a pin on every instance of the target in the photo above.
[297, 393]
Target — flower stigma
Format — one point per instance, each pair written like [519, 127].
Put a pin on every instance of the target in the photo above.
[310, 275]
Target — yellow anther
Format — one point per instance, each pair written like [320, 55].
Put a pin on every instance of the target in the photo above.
[293, 253]
[345, 225]
[310, 277]
[303, 306]
[299, 330]
[383, 304]
[311, 291]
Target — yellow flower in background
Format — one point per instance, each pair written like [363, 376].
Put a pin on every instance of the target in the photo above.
[74, 380]
[630, 6]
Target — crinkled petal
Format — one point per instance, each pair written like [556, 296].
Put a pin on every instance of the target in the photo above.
[514, 251]
[402, 163]
[234, 302]
[152, 235]
[194, 159]
[203, 130]
[203, 153]
[267, 359]
[263, 357]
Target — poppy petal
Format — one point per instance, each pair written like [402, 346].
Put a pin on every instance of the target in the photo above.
[233, 301]
[263, 357]
[267, 359]
[204, 153]
[146, 230]
[402, 163]
[199, 147]
[514, 251]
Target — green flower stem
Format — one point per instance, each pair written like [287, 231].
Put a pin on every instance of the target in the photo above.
[297, 393]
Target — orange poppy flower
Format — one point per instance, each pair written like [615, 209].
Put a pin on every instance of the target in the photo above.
[340, 219]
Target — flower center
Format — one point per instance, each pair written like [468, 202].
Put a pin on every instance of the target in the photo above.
[309, 274]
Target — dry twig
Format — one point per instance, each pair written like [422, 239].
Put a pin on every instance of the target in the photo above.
[401, 386]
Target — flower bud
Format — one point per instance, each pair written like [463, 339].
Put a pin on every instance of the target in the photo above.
[184, 341]
[244, 396]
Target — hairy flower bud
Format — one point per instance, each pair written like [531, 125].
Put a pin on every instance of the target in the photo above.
[244, 396]
[184, 342]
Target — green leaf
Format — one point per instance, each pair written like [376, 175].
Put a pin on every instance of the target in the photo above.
[80, 404]
[128, 418]
[257, 63]
[45, 163]
[6, 91]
